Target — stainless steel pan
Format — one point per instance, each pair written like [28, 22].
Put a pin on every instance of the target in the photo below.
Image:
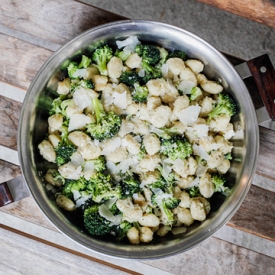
[33, 126]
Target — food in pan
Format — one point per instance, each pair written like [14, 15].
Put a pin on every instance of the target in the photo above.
[141, 140]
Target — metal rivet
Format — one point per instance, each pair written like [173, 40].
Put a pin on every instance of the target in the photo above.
[263, 69]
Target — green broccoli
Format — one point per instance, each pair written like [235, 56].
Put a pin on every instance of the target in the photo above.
[73, 66]
[228, 156]
[129, 78]
[101, 56]
[73, 185]
[176, 148]
[179, 54]
[65, 148]
[102, 188]
[123, 55]
[85, 62]
[95, 224]
[151, 72]
[130, 185]
[163, 56]
[194, 191]
[149, 53]
[195, 92]
[86, 84]
[120, 230]
[107, 124]
[219, 181]
[166, 185]
[140, 93]
[165, 203]
[99, 163]
[56, 105]
[225, 105]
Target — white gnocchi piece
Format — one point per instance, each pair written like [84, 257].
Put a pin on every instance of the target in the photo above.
[65, 203]
[195, 65]
[47, 151]
[151, 143]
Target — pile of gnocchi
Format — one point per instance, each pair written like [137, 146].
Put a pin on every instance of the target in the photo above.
[178, 103]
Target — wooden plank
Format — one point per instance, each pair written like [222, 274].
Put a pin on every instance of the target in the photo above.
[215, 256]
[9, 116]
[8, 171]
[23, 252]
[21, 209]
[55, 20]
[256, 215]
[265, 165]
[20, 62]
[261, 11]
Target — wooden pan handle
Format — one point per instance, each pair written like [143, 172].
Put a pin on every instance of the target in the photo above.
[5, 194]
[264, 75]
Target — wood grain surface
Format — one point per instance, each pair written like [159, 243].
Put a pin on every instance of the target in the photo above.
[9, 116]
[256, 215]
[21, 61]
[65, 18]
[262, 11]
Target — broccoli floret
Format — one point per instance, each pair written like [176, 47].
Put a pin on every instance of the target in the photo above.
[107, 124]
[149, 53]
[85, 62]
[129, 78]
[130, 185]
[99, 163]
[101, 56]
[163, 56]
[195, 92]
[56, 105]
[95, 224]
[74, 66]
[167, 185]
[65, 148]
[103, 188]
[73, 185]
[225, 105]
[151, 72]
[176, 148]
[165, 203]
[178, 54]
[219, 181]
[228, 156]
[123, 55]
[140, 93]
[120, 231]
[194, 191]
[86, 84]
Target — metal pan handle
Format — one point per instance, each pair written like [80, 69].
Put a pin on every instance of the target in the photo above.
[263, 73]
[13, 190]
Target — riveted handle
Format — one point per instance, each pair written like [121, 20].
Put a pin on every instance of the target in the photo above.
[263, 73]
[5, 194]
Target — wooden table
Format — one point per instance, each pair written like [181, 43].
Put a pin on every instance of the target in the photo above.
[30, 31]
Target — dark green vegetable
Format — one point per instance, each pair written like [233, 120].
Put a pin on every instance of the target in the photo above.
[65, 148]
[102, 187]
[225, 105]
[176, 148]
[107, 124]
[140, 93]
[129, 78]
[101, 56]
[95, 224]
